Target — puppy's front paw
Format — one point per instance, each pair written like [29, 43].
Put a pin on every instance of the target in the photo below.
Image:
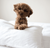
[16, 26]
[22, 26]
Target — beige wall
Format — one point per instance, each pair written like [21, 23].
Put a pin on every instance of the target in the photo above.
[41, 9]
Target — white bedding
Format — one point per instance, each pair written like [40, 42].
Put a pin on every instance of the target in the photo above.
[45, 33]
[4, 47]
[28, 38]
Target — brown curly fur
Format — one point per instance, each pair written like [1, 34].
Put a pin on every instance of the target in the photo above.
[22, 10]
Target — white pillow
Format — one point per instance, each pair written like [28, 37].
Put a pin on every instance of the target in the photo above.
[28, 38]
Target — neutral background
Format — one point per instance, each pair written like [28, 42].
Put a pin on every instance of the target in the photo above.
[41, 9]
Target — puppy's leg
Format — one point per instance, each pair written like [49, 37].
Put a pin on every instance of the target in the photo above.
[16, 26]
[22, 26]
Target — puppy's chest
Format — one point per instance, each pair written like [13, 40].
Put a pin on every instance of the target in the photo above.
[22, 20]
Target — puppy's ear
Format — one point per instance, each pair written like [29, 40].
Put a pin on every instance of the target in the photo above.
[15, 7]
[30, 13]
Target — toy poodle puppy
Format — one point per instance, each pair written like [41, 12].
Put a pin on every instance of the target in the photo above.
[22, 10]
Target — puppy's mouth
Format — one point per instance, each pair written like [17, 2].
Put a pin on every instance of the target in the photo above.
[21, 14]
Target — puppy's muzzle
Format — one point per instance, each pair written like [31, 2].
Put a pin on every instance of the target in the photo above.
[21, 13]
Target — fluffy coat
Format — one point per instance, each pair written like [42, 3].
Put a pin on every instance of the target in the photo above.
[22, 10]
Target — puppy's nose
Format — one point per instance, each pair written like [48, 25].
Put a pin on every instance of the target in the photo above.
[21, 13]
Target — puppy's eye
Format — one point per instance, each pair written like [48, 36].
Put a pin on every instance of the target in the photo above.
[19, 8]
[25, 10]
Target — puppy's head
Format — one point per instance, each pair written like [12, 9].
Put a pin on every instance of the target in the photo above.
[23, 10]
